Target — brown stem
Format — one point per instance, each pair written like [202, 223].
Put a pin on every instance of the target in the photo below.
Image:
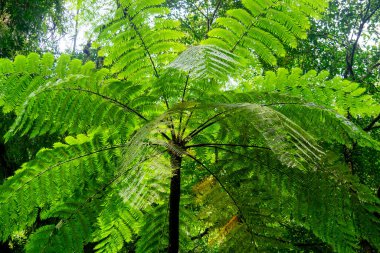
[174, 201]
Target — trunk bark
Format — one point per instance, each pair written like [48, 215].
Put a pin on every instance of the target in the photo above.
[174, 200]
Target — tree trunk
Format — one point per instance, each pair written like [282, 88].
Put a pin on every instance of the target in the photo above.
[76, 29]
[174, 199]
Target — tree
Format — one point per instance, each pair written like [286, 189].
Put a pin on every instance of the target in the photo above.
[178, 147]
[344, 41]
[23, 24]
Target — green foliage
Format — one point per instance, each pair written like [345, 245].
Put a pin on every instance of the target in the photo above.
[339, 94]
[254, 162]
[206, 61]
[140, 41]
[264, 27]
[24, 23]
[347, 29]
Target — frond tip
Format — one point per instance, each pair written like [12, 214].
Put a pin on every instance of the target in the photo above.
[206, 61]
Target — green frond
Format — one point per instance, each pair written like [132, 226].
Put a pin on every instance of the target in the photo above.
[205, 61]
[336, 93]
[286, 95]
[145, 189]
[292, 145]
[70, 233]
[145, 185]
[281, 24]
[117, 224]
[26, 74]
[287, 140]
[366, 207]
[137, 49]
[155, 229]
[78, 104]
[274, 199]
[337, 129]
[56, 175]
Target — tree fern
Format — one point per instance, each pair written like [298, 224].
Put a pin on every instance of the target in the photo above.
[165, 142]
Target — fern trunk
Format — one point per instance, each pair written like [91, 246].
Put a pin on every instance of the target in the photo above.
[175, 196]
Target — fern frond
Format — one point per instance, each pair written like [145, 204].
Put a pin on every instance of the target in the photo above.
[67, 234]
[78, 104]
[144, 186]
[337, 128]
[290, 142]
[149, 192]
[71, 167]
[272, 197]
[138, 43]
[27, 74]
[264, 27]
[155, 230]
[338, 94]
[118, 223]
[293, 103]
[55, 175]
[206, 61]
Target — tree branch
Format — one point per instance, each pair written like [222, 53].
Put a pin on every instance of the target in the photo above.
[350, 56]
[198, 9]
[218, 5]
[372, 124]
